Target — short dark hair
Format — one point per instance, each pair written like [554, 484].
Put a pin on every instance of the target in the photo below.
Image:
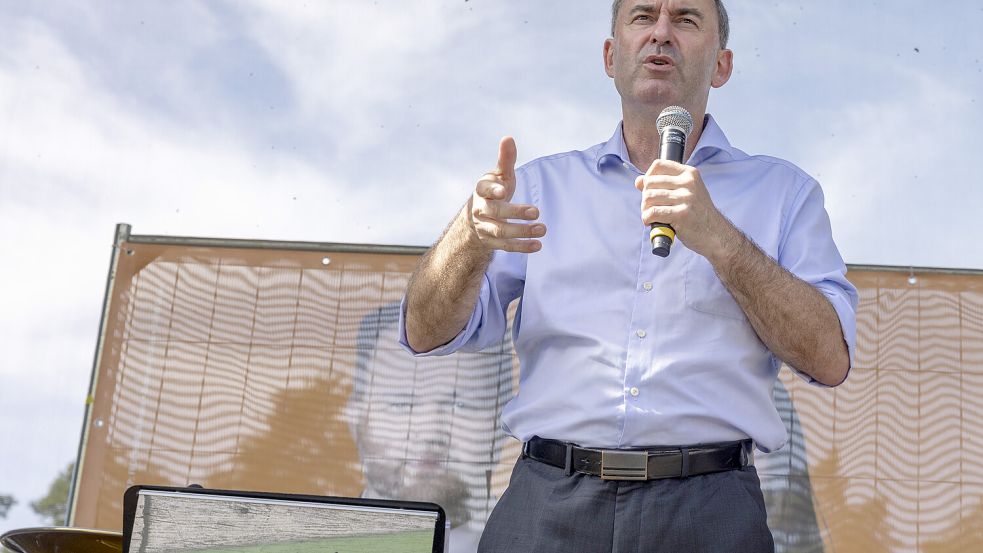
[722, 18]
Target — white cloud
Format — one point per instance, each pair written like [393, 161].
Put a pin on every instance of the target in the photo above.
[350, 63]
[898, 192]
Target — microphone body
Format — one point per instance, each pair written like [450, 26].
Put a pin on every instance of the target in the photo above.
[674, 125]
[673, 145]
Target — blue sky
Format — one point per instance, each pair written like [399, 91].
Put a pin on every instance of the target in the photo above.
[358, 121]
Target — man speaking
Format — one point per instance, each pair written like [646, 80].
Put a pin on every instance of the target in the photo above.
[645, 380]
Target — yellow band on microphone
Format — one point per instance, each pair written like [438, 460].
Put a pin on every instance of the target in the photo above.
[662, 231]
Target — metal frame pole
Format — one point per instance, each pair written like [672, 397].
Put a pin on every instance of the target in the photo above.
[121, 235]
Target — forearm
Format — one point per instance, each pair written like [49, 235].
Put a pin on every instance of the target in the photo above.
[792, 318]
[444, 288]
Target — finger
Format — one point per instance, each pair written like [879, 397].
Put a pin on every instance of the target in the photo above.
[504, 210]
[490, 187]
[507, 154]
[665, 167]
[663, 196]
[522, 246]
[667, 215]
[517, 246]
[666, 182]
[492, 228]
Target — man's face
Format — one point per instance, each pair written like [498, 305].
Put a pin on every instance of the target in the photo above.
[666, 52]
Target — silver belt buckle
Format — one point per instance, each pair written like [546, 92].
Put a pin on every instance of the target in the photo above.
[624, 465]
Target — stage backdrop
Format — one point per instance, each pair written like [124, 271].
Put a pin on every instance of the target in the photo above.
[273, 366]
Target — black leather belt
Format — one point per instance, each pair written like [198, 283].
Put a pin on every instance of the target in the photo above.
[641, 464]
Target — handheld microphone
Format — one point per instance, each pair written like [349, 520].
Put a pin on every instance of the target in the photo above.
[674, 125]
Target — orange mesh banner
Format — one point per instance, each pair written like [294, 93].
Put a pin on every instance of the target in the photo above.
[277, 369]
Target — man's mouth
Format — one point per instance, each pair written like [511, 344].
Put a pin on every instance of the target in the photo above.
[659, 61]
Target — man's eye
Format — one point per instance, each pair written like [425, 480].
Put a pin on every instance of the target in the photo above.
[688, 22]
[641, 17]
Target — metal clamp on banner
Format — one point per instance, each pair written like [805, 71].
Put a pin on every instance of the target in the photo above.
[624, 465]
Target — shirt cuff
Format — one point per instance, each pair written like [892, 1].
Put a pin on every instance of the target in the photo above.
[462, 337]
[847, 315]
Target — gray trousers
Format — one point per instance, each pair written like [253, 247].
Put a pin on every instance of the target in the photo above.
[544, 510]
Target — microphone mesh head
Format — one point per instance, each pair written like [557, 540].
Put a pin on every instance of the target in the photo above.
[675, 116]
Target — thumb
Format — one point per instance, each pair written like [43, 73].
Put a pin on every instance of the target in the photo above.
[507, 154]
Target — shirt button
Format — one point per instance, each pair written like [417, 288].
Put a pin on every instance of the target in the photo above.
[626, 166]
[633, 391]
[640, 333]
[647, 286]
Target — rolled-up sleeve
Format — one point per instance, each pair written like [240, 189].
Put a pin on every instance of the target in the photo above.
[501, 284]
[808, 252]
[467, 334]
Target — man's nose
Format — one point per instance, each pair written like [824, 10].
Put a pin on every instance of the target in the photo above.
[662, 30]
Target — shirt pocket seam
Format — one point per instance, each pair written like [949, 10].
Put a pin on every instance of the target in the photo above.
[705, 293]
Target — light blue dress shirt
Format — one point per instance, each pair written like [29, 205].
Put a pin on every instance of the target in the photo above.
[619, 348]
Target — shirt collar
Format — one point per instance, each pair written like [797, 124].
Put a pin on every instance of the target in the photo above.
[614, 150]
[712, 140]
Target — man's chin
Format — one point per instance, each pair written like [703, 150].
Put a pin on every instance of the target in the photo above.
[650, 94]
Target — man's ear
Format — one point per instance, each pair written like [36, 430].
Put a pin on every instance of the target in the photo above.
[609, 57]
[724, 68]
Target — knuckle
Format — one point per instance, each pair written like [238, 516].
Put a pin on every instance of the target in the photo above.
[511, 246]
[481, 229]
[492, 244]
[491, 210]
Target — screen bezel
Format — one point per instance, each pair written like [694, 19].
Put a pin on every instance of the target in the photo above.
[131, 496]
